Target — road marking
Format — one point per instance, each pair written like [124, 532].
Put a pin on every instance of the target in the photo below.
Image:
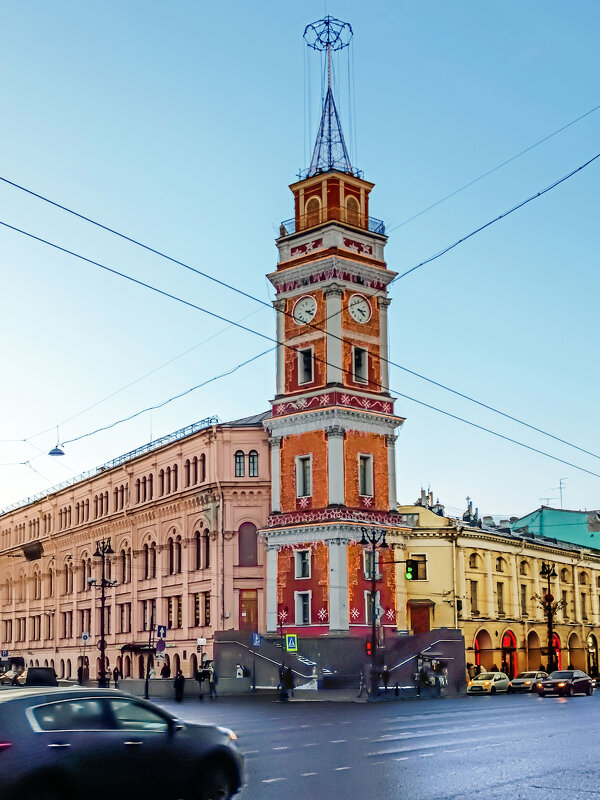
[338, 741]
[310, 744]
[285, 747]
[249, 752]
[339, 769]
[346, 722]
[425, 755]
[404, 758]
[274, 780]
[377, 763]
[451, 751]
[306, 774]
[327, 723]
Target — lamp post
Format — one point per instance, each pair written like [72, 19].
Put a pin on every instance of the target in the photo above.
[282, 616]
[549, 572]
[373, 539]
[103, 549]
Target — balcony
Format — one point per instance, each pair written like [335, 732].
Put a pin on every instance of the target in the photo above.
[331, 214]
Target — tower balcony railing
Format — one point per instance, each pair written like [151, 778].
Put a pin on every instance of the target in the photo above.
[331, 214]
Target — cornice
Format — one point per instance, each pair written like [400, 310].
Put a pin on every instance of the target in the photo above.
[352, 419]
[344, 270]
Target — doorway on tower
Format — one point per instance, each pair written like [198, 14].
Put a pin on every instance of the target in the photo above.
[420, 615]
[249, 609]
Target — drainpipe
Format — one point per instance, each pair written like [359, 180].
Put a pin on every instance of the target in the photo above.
[454, 538]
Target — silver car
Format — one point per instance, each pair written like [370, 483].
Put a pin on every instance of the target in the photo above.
[526, 681]
[58, 744]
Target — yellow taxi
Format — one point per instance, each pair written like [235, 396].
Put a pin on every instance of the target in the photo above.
[488, 683]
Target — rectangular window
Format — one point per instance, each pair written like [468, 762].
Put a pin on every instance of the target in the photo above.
[368, 565]
[302, 559]
[303, 476]
[420, 573]
[369, 606]
[196, 599]
[360, 361]
[583, 606]
[206, 608]
[365, 476]
[524, 599]
[565, 603]
[302, 608]
[305, 365]
[500, 596]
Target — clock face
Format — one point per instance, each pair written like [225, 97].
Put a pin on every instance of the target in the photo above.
[305, 309]
[359, 308]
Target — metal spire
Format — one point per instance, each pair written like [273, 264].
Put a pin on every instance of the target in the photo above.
[330, 150]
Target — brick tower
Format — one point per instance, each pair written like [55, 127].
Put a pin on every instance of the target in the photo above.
[332, 428]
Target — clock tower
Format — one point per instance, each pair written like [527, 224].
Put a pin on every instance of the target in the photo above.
[332, 428]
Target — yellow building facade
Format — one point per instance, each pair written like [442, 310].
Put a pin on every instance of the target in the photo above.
[487, 583]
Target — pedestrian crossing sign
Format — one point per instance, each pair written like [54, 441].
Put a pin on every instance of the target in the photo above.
[291, 642]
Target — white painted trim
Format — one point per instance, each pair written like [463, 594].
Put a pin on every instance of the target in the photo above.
[276, 476]
[333, 302]
[335, 469]
[296, 596]
[271, 593]
[339, 618]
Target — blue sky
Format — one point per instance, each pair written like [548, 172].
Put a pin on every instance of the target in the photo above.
[182, 124]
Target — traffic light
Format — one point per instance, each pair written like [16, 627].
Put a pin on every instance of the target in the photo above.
[369, 648]
[411, 569]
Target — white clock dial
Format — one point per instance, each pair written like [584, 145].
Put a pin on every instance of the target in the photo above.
[359, 308]
[305, 309]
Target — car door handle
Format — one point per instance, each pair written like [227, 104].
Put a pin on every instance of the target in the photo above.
[60, 744]
[133, 743]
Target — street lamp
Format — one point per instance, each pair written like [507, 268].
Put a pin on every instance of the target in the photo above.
[549, 572]
[373, 538]
[282, 616]
[103, 549]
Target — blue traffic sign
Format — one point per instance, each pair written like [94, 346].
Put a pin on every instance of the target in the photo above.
[291, 642]
[161, 631]
[256, 639]
[4, 653]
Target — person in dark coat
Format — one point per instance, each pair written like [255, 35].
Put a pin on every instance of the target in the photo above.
[165, 671]
[179, 683]
[116, 676]
[288, 681]
[212, 681]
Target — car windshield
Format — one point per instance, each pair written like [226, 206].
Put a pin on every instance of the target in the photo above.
[486, 676]
[526, 675]
[561, 675]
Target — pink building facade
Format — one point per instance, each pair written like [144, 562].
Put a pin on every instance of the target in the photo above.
[181, 515]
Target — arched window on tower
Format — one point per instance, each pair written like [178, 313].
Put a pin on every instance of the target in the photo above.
[202, 468]
[313, 212]
[352, 211]
[161, 482]
[253, 464]
[174, 475]
[170, 555]
[206, 548]
[177, 555]
[239, 464]
[247, 545]
[186, 472]
[198, 550]
[195, 470]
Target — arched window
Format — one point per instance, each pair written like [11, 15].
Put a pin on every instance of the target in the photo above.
[144, 488]
[171, 555]
[202, 468]
[195, 470]
[123, 558]
[153, 560]
[565, 576]
[313, 212]
[239, 464]
[138, 495]
[174, 474]
[500, 564]
[116, 498]
[161, 483]
[583, 578]
[168, 481]
[247, 545]
[82, 584]
[150, 486]
[352, 211]
[50, 582]
[146, 562]
[206, 548]
[177, 555]
[473, 561]
[198, 542]
[186, 472]
[253, 464]
[523, 568]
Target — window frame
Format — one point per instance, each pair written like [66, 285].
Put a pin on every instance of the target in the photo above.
[298, 563]
[300, 475]
[359, 378]
[301, 365]
[297, 599]
[368, 475]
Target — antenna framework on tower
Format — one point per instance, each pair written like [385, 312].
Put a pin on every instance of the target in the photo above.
[326, 36]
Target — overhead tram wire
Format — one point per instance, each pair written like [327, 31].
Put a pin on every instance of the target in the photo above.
[373, 296]
[285, 344]
[494, 169]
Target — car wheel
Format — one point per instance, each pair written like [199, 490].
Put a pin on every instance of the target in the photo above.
[493, 690]
[509, 690]
[571, 691]
[590, 690]
[217, 785]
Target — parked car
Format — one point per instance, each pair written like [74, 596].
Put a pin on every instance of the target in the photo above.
[526, 681]
[37, 676]
[566, 682]
[488, 682]
[9, 676]
[60, 743]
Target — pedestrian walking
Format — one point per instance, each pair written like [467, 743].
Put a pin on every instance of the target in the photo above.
[179, 683]
[213, 679]
[289, 682]
[361, 684]
[281, 686]
[386, 678]
[165, 671]
[80, 675]
[116, 676]
[200, 675]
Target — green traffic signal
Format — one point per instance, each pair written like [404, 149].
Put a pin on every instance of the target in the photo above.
[408, 572]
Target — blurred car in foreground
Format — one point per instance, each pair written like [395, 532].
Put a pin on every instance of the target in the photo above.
[488, 683]
[566, 682]
[526, 681]
[64, 743]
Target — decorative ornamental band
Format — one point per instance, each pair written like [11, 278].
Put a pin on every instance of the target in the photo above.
[334, 398]
[332, 274]
[351, 515]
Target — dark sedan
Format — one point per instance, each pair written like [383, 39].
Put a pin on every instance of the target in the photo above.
[98, 743]
[566, 682]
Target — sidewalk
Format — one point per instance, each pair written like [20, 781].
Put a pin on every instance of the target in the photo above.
[351, 696]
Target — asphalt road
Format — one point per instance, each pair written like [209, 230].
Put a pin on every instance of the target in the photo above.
[507, 746]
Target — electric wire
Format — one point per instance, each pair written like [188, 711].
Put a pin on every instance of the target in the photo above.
[378, 293]
[494, 169]
[287, 345]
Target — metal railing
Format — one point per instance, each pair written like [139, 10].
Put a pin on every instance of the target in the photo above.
[306, 221]
[116, 462]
